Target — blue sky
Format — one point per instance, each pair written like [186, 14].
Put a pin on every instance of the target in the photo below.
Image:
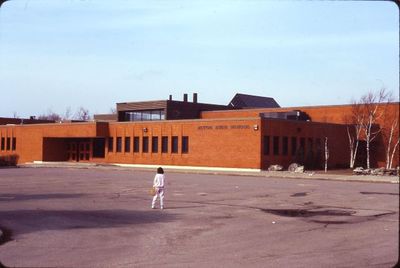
[56, 54]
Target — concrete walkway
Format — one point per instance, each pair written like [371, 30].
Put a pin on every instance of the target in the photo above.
[312, 175]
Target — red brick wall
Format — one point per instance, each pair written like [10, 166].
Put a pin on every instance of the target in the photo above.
[28, 143]
[337, 143]
[331, 114]
[211, 143]
[29, 138]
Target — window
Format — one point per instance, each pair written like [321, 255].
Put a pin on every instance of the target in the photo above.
[294, 146]
[136, 145]
[110, 144]
[276, 145]
[8, 144]
[319, 146]
[14, 144]
[145, 145]
[137, 116]
[285, 145]
[98, 147]
[266, 145]
[310, 144]
[302, 143]
[145, 115]
[119, 144]
[174, 145]
[154, 144]
[2, 143]
[164, 144]
[156, 115]
[185, 144]
[127, 144]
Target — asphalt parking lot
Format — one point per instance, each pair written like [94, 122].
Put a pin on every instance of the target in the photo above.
[66, 217]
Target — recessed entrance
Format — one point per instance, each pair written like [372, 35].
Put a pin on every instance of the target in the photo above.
[79, 150]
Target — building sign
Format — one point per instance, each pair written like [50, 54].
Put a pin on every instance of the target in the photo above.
[223, 127]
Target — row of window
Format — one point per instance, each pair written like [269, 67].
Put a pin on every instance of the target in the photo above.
[7, 145]
[146, 115]
[143, 143]
[280, 145]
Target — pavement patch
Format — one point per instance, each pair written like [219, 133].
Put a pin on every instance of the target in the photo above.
[379, 193]
[299, 194]
[329, 216]
[307, 213]
[5, 235]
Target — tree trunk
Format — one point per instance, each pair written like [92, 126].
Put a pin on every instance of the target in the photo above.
[351, 159]
[394, 152]
[354, 141]
[368, 165]
[355, 153]
[389, 157]
[326, 154]
[351, 146]
[388, 164]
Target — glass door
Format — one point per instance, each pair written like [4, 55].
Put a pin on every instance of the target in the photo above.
[78, 151]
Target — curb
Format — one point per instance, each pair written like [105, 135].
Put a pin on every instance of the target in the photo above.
[263, 174]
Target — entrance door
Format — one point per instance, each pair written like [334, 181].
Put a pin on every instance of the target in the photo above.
[78, 151]
[84, 151]
[72, 151]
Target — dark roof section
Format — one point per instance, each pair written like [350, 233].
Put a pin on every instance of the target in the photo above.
[106, 117]
[23, 121]
[241, 101]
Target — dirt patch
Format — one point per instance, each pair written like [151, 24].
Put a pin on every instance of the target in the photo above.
[5, 235]
[307, 213]
[299, 194]
[326, 217]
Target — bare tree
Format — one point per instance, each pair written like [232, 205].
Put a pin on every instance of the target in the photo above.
[369, 105]
[354, 128]
[82, 114]
[68, 113]
[15, 114]
[50, 115]
[113, 110]
[392, 143]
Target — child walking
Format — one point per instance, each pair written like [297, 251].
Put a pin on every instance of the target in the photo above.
[158, 185]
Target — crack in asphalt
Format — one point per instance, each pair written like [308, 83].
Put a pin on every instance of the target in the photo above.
[379, 193]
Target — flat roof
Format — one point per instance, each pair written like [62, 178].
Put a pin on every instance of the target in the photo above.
[292, 108]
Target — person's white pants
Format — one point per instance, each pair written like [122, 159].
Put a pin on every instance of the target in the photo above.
[159, 193]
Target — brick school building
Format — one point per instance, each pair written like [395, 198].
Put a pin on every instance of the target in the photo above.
[250, 133]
